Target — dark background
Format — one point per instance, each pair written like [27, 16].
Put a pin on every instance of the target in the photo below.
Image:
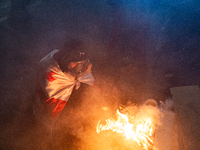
[139, 50]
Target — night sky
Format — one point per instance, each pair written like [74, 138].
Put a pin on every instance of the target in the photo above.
[139, 50]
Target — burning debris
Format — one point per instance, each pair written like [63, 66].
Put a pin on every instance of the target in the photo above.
[135, 124]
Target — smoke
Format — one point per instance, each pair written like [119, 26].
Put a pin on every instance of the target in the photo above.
[76, 125]
[30, 31]
[80, 124]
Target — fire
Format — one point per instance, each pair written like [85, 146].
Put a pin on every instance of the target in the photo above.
[139, 130]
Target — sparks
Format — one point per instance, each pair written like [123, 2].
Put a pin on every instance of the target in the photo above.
[140, 133]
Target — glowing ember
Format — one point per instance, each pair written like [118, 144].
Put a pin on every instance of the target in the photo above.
[141, 132]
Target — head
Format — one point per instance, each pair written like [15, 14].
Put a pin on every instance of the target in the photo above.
[73, 58]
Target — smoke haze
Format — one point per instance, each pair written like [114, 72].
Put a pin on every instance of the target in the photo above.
[139, 49]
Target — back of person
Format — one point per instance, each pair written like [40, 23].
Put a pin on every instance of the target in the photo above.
[59, 73]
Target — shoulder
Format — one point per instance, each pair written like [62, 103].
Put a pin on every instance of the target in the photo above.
[49, 56]
[48, 61]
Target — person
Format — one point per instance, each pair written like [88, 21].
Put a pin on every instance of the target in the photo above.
[59, 73]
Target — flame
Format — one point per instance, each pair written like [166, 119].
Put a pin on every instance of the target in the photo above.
[140, 133]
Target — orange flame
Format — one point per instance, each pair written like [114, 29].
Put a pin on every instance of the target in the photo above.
[141, 133]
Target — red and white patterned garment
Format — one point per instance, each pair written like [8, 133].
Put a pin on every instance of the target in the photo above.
[54, 88]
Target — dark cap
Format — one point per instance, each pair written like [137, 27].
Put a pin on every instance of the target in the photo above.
[72, 51]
